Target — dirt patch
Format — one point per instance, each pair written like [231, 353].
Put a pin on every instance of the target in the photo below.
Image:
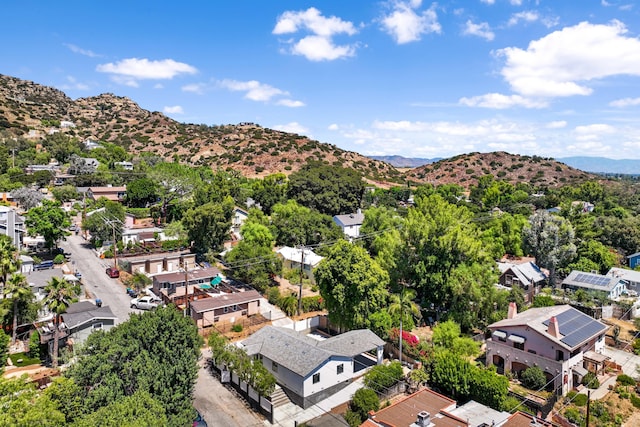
[287, 287]
[627, 329]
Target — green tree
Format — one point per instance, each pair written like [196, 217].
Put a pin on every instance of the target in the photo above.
[139, 410]
[154, 352]
[59, 295]
[269, 191]
[252, 259]
[175, 182]
[65, 193]
[9, 258]
[4, 349]
[352, 285]
[68, 396]
[62, 146]
[293, 224]
[549, 238]
[452, 374]
[488, 388]
[141, 192]
[543, 300]
[27, 197]
[503, 235]
[533, 378]
[381, 377]
[328, 189]
[363, 401]
[403, 308]
[23, 405]
[48, 221]
[104, 223]
[600, 256]
[208, 225]
[18, 288]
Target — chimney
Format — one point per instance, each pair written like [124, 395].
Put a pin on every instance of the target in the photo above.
[553, 329]
[424, 419]
[513, 310]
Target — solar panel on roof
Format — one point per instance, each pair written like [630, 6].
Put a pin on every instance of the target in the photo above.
[592, 279]
[576, 327]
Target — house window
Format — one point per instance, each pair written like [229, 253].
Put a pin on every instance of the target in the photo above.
[559, 355]
[235, 308]
[316, 378]
[226, 309]
[532, 351]
[96, 326]
[518, 345]
[340, 369]
[274, 366]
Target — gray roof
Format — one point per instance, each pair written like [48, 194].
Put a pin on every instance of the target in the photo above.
[625, 274]
[349, 219]
[302, 354]
[525, 272]
[225, 300]
[593, 281]
[575, 327]
[85, 311]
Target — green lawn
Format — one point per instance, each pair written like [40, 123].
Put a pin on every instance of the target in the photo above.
[22, 359]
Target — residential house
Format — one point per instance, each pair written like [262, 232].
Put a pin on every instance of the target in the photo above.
[424, 408]
[310, 369]
[632, 278]
[115, 194]
[527, 276]
[90, 144]
[171, 281]
[350, 223]
[522, 419]
[295, 257]
[158, 263]
[237, 220]
[225, 304]
[52, 167]
[612, 286]
[634, 260]
[80, 320]
[128, 166]
[582, 206]
[12, 225]
[562, 341]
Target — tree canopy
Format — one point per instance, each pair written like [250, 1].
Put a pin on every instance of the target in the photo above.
[48, 221]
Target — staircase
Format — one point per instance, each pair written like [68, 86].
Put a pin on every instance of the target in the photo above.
[279, 397]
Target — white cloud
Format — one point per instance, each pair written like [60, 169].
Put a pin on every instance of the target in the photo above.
[625, 102]
[198, 88]
[516, 2]
[333, 126]
[254, 90]
[158, 86]
[75, 49]
[526, 16]
[597, 128]
[130, 70]
[481, 30]
[73, 84]
[499, 101]
[563, 62]
[488, 1]
[405, 24]
[290, 103]
[316, 48]
[319, 44]
[176, 109]
[293, 127]
[558, 124]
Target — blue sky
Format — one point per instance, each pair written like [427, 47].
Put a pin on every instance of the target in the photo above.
[555, 78]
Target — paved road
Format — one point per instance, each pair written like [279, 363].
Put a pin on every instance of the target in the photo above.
[96, 282]
[219, 406]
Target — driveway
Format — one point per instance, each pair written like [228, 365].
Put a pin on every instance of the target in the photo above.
[219, 406]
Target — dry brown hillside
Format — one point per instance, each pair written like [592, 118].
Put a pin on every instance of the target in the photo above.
[467, 168]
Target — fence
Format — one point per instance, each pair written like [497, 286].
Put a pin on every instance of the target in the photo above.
[249, 325]
[538, 403]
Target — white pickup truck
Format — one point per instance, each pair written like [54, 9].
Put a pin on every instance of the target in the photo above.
[145, 302]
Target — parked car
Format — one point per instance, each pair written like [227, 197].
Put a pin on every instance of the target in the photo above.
[144, 303]
[78, 274]
[113, 272]
[44, 265]
[132, 292]
[199, 421]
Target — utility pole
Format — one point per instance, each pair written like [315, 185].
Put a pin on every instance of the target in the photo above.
[301, 273]
[401, 315]
[588, 405]
[186, 289]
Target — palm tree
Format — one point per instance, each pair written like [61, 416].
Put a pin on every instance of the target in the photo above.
[403, 307]
[60, 294]
[9, 261]
[19, 289]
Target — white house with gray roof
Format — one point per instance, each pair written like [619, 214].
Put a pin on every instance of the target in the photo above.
[350, 223]
[309, 369]
[613, 286]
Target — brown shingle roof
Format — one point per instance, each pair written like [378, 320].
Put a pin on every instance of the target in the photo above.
[225, 300]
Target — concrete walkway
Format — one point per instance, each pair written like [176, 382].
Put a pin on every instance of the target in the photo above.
[629, 363]
[287, 415]
[273, 313]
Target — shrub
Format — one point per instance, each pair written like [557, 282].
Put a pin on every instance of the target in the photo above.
[34, 345]
[533, 378]
[237, 327]
[273, 295]
[59, 259]
[314, 303]
[364, 400]
[381, 377]
[579, 400]
[573, 415]
[591, 381]
[352, 418]
[625, 379]
[4, 348]
[635, 400]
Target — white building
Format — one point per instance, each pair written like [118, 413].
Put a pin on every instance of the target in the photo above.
[350, 223]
